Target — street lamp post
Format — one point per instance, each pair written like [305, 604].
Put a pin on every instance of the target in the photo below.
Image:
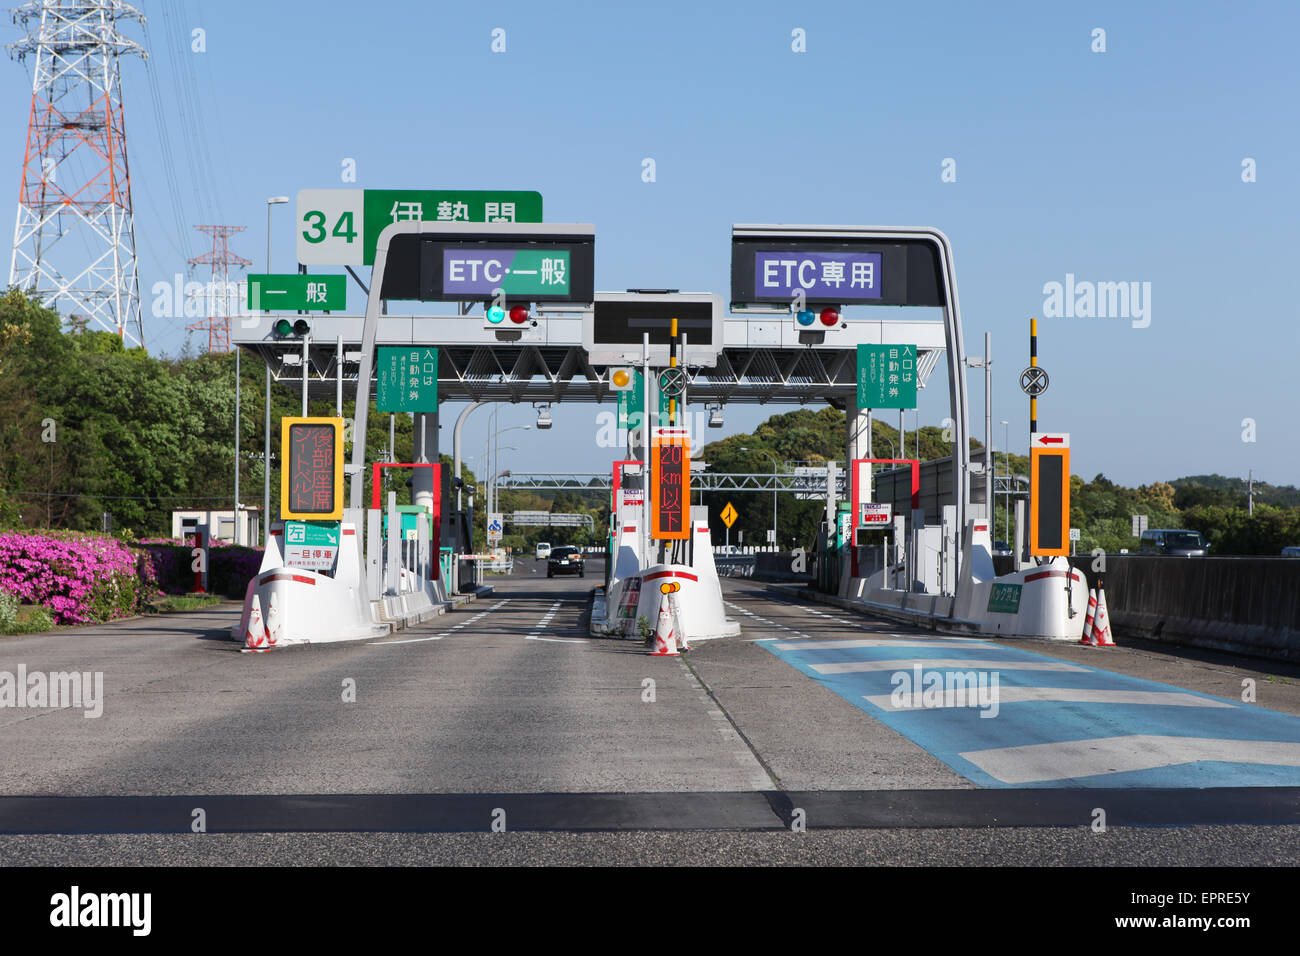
[266, 427]
[1006, 461]
[774, 473]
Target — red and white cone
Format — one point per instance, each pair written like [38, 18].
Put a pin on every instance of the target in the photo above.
[665, 641]
[1088, 634]
[1101, 632]
[679, 631]
[255, 633]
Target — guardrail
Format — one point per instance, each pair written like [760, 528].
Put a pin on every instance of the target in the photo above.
[494, 565]
[734, 565]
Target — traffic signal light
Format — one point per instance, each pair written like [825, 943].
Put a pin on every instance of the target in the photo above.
[811, 320]
[515, 317]
[622, 379]
[299, 328]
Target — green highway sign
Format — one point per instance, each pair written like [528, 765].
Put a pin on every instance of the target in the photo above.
[313, 533]
[297, 293]
[340, 227]
[886, 376]
[631, 403]
[1004, 598]
[408, 378]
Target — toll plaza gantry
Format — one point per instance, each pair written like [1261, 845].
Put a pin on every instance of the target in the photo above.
[561, 342]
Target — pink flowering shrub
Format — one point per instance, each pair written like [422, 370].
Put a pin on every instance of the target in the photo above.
[80, 577]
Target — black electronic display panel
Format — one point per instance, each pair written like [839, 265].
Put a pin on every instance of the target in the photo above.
[835, 271]
[670, 483]
[472, 268]
[1049, 503]
[624, 321]
[312, 482]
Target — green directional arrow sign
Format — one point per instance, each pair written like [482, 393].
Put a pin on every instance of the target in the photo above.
[297, 293]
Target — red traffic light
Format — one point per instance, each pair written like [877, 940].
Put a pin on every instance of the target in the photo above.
[519, 314]
[830, 317]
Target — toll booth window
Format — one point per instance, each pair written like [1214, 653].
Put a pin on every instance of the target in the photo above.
[311, 469]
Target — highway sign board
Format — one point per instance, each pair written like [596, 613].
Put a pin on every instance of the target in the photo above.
[470, 273]
[821, 276]
[729, 515]
[340, 227]
[1004, 598]
[1074, 534]
[875, 512]
[311, 544]
[297, 293]
[495, 527]
[1139, 525]
[670, 483]
[1034, 381]
[311, 484]
[1049, 494]
[886, 376]
[408, 378]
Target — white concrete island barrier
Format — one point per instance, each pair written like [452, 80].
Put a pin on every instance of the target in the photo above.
[301, 606]
[1047, 601]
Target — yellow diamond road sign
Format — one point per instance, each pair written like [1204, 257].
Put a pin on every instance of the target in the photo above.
[730, 514]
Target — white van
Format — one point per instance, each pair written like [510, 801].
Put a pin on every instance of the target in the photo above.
[543, 551]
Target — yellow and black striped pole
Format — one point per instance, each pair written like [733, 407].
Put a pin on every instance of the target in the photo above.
[1033, 363]
[672, 363]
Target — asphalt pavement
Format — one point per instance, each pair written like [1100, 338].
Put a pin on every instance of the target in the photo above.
[506, 715]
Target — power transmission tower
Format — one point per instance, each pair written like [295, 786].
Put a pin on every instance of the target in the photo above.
[222, 295]
[74, 240]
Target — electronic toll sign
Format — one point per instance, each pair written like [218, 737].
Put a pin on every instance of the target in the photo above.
[481, 262]
[800, 265]
[670, 483]
[311, 481]
[1049, 494]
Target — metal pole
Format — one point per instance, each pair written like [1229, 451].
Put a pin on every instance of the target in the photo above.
[338, 376]
[266, 460]
[235, 530]
[1033, 363]
[647, 417]
[305, 338]
[990, 506]
[455, 446]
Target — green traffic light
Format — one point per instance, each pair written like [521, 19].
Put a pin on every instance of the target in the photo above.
[283, 327]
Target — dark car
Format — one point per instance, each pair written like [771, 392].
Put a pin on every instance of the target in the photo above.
[565, 560]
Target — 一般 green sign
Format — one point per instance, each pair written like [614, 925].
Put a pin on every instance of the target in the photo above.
[886, 376]
[408, 378]
[297, 293]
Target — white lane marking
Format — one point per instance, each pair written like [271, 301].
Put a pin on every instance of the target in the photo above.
[544, 622]
[450, 630]
[888, 642]
[857, 667]
[1071, 759]
[1070, 695]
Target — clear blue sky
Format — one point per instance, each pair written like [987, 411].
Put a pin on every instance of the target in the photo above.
[1115, 166]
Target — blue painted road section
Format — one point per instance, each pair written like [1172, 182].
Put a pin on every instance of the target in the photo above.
[1050, 723]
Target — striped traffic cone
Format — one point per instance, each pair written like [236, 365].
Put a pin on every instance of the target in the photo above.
[1088, 621]
[255, 633]
[1102, 632]
[665, 642]
[679, 631]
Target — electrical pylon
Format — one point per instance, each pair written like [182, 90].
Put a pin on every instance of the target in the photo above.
[74, 239]
[222, 296]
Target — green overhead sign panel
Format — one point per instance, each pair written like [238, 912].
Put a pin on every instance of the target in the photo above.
[886, 376]
[297, 293]
[341, 227]
[408, 378]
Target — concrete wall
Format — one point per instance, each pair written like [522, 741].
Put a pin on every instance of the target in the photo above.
[1244, 605]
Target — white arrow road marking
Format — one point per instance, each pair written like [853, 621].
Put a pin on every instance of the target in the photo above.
[856, 667]
[1072, 759]
[1074, 695]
